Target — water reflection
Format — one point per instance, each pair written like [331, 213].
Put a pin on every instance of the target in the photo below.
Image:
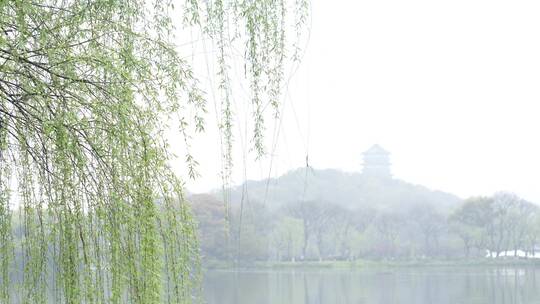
[400, 286]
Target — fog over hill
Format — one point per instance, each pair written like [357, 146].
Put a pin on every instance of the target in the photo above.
[374, 188]
[351, 190]
[314, 214]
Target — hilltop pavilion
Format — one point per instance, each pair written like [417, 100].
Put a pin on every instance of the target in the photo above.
[376, 162]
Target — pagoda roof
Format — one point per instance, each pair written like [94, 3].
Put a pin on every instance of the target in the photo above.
[376, 149]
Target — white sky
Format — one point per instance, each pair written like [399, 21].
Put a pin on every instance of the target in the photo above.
[450, 88]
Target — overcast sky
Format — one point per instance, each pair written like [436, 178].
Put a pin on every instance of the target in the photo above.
[450, 88]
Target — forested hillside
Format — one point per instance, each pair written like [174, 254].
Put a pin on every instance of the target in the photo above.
[350, 190]
[333, 215]
[324, 214]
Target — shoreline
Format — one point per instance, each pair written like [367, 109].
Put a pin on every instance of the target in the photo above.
[367, 264]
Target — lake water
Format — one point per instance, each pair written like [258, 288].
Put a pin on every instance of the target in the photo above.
[378, 286]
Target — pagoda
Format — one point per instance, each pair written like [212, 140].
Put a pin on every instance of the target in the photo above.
[376, 163]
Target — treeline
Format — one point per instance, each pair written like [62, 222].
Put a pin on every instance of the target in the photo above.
[501, 225]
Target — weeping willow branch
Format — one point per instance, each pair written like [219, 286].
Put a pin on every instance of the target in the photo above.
[86, 91]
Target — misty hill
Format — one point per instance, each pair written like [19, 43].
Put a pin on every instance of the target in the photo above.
[351, 190]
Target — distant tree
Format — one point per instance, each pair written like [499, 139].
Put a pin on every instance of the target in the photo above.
[346, 224]
[532, 235]
[468, 233]
[431, 225]
[209, 214]
[475, 214]
[287, 238]
[503, 205]
[519, 218]
[389, 225]
[316, 217]
[497, 223]
[250, 232]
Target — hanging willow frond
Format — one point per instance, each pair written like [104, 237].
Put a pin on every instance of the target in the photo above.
[90, 211]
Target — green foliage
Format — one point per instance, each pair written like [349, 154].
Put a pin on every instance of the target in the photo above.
[287, 238]
[87, 89]
[210, 216]
[500, 223]
[344, 216]
[339, 216]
